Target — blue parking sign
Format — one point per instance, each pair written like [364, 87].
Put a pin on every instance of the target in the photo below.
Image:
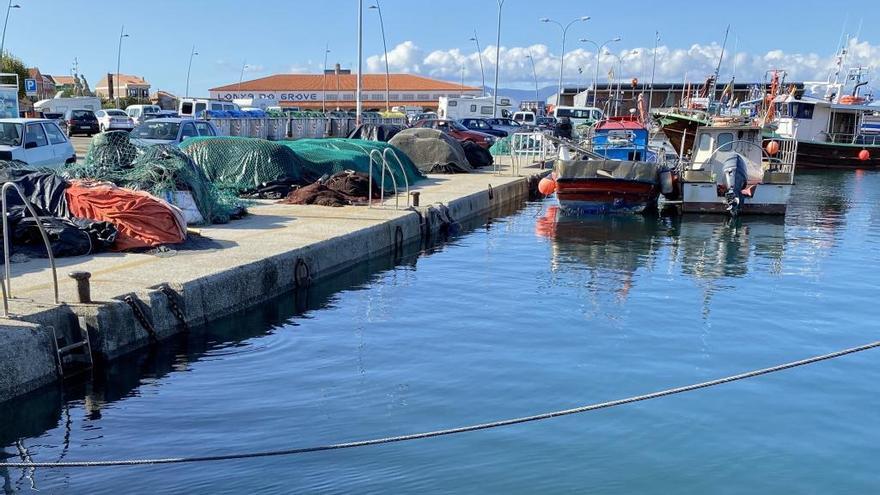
[30, 87]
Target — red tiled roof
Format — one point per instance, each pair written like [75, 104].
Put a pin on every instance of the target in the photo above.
[63, 80]
[347, 82]
[331, 105]
[123, 80]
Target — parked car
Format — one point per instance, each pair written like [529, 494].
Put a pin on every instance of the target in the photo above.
[81, 122]
[161, 114]
[171, 131]
[139, 113]
[524, 118]
[114, 119]
[509, 125]
[57, 117]
[457, 131]
[480, 125]
[422, 116]
[546, 123]
[36, 142]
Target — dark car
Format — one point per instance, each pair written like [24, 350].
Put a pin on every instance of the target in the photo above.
[481, 125]
[81, 122]
[547, 123]
[457, 131]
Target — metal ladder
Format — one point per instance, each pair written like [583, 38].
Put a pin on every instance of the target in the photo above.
[7, 279]
[84, 346]
[381, 159]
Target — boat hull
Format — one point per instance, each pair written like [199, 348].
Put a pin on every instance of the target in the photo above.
[593, 196]
[815, 155]
[767, 199]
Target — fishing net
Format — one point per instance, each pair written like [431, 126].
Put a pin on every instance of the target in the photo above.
[501, 147]
[242, 163]
[161, 170]
[321, 157]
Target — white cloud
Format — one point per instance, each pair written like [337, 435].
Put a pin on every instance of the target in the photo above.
[673, 64]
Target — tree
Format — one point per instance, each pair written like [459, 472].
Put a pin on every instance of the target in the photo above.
[11, 65]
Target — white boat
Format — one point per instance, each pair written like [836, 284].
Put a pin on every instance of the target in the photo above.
[730, 171]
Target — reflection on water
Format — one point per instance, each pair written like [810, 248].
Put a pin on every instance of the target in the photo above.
[706, 247]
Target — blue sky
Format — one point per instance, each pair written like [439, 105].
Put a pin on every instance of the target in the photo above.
[431, 37]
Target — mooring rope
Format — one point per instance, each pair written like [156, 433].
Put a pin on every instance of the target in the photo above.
[450, 431]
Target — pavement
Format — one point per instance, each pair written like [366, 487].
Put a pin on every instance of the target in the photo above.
[81, 145]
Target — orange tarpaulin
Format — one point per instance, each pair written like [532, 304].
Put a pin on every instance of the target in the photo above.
[142, 219]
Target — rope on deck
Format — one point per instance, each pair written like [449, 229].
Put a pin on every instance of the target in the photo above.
[450, 431]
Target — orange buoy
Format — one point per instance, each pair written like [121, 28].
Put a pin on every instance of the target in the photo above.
[772, 148]
[547, 186]
[864, 155]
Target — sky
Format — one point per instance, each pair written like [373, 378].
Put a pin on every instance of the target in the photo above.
[432, 38]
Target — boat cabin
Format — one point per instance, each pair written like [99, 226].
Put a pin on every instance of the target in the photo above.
[620, 138]
[821, 120]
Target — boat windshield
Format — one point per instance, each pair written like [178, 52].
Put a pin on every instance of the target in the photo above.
[156, 130]
[10, 134]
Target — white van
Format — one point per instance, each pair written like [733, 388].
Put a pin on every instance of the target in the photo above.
[579, 115]
[137, 112]
[62, 105]
[524, 118]
[472, 107]
[193, 107]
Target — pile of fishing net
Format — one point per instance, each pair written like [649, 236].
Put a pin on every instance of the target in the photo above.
[163, 171]
[339, 189]
[432, 151]
[501, 147]
[242, 163]
[323, 157]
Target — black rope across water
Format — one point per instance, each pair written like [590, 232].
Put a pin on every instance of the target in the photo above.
[450, 431]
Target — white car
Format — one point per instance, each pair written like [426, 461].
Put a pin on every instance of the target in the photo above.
[114, 119]
[36, 142]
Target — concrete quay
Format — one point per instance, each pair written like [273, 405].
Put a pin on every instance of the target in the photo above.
[226, 268]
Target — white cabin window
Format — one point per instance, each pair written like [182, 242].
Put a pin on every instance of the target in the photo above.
[705, 142]
[485, 110]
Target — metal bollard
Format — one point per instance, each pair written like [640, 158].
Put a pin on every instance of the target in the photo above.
[415, 198]
[83, 288]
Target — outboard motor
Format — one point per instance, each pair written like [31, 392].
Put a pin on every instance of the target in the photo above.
[735, 180]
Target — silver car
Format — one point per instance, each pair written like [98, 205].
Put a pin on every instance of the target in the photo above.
[171, 131]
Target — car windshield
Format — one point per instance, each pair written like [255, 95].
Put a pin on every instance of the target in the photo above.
[117, 113]
[574, 113]
[156, 130]
[454, 125]
[81, 114]
[10, 134]
[507, 122]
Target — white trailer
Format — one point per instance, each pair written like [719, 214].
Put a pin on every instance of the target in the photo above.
[472, 107]
[62, 105]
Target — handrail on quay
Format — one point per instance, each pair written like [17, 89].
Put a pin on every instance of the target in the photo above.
[7, 279]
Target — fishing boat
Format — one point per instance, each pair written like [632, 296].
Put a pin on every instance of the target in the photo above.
[619, 175]
[731, 172]
[834, 128]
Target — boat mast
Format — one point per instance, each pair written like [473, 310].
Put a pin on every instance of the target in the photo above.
[718, 67]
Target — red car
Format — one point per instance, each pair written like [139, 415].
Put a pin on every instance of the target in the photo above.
[457, 131]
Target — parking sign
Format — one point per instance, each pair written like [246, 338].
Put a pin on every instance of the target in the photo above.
[30, 87]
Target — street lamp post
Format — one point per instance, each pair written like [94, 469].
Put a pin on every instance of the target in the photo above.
[244, 66]
[3, 40]
[189, 68]
[324, 80]
[562, 55]
[654, 70]
[480, 53]
[598, 51]
[378, 8]
[118, 61]
[534, 73]
[497, 58]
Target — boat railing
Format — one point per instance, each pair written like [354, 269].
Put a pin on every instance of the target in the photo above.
[783, 163]
[848, 138]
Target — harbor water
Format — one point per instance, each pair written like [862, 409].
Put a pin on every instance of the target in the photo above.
[525, 314]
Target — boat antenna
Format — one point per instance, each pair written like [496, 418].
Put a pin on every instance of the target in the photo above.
[718, 67]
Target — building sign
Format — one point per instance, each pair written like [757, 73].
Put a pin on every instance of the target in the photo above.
[276, 96]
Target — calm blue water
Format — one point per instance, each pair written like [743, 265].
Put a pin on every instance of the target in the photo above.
[519, 316]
